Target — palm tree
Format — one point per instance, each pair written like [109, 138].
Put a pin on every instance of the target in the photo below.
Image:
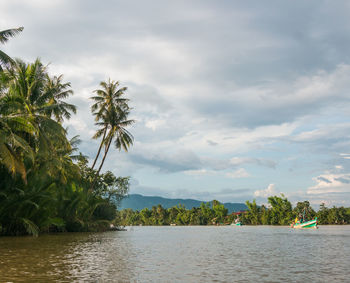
[30, 101]
[10, 143]
[6, 60]
[40, 97]
[106, 97]
[55, 92]
[12, 146]
[34, 144]
[111, 112]
[117, 124]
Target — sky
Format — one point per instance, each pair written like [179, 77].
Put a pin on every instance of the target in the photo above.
[233, 100]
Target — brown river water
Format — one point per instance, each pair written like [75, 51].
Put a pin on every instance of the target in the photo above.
[181, 254]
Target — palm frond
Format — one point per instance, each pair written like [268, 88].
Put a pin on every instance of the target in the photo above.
[6, 34]
[31, 227]
[5, 60]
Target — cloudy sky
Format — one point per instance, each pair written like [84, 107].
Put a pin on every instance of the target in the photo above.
[234, 100]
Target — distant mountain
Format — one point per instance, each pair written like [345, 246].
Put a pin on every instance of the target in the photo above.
[138, 202]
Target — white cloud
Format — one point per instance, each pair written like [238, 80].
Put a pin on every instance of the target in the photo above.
[345, 155]
[339, 167]
[155, 124]
[324, 132]
[330, 183]
[236, 161]
[269, 191]
[201, 172]
[239, 173]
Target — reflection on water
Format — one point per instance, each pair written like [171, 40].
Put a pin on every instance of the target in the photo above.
[191, 254]
[65, 257]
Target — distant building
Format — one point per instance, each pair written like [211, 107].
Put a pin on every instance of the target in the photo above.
[239, 212]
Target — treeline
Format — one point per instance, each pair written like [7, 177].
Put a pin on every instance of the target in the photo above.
[206, 214]
[279, 211]
[45, 183]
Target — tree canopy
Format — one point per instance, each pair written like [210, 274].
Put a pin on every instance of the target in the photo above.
[278, 212]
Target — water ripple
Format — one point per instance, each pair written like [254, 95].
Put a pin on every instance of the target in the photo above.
[178, 254]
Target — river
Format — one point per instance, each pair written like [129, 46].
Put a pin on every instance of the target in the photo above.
[181, 254]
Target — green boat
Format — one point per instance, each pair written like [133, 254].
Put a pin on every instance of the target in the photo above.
[237, 224]
[307, 224]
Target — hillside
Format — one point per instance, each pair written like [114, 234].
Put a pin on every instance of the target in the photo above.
[138, 202]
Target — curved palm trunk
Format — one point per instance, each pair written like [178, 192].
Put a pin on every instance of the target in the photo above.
[103, 160]
[99, 150]
[104, 156]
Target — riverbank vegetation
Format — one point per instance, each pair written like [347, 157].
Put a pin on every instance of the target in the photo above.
[279, 211]
[206, 214]
[46, 184]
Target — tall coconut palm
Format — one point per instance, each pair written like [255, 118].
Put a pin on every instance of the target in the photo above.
[111, 112]
[116, 127]
[6, 60]
[110, 95]
[36, 100]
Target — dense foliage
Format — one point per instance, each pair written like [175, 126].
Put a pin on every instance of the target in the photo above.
[44, 184]
[206, 214]
[278, 212]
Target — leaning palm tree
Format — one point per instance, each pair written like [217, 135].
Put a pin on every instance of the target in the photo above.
[117, 131]
[107, 97]
[111, 112]
[6, 60]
